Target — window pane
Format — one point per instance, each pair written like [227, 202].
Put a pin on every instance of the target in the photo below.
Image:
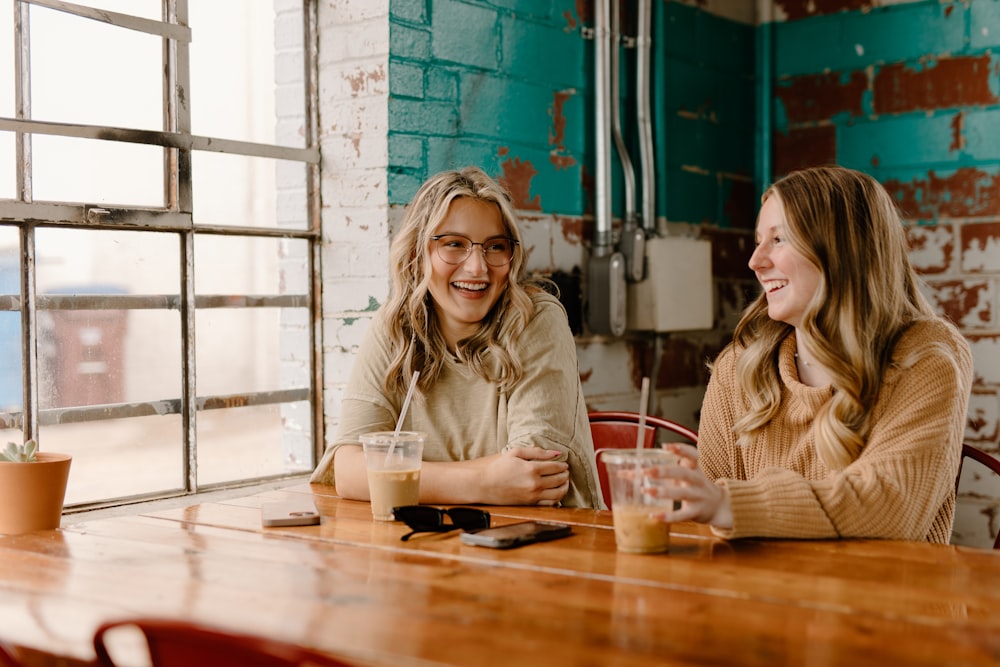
[79, 74]
[10, 323]
[239, 190]
[120, 457]
[243, 443]
[97, 357]
[93, 357]
[233, 71]
[6, 60]
[104, 172]
[129, 262]
[241, 350]
[247, 265]
[8, 179]
[147, 9]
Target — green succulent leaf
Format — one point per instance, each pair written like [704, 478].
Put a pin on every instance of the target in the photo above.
[20, 453]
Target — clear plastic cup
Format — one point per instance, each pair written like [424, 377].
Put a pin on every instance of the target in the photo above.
[393, 463]
[634, 496]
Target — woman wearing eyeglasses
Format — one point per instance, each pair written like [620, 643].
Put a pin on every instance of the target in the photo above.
[499, 390]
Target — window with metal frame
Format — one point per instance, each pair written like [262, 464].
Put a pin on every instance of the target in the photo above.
[159, 241]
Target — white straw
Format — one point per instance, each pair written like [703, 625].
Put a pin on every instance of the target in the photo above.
[402, 415]
[643, 401]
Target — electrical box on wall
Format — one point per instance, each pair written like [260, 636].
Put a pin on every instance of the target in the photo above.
[677, 292]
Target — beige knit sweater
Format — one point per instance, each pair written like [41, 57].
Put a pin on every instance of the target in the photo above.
[902, 486]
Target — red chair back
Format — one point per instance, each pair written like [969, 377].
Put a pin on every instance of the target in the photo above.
[182, 644]
[619, 430]
[991, 462]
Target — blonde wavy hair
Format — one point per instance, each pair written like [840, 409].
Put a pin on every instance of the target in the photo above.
[415, 338]
[845, 224]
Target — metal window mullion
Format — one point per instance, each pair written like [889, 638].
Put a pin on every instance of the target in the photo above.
[29, 334]
[178, 119]
[127, 21]
[22, 98]
[310, 58]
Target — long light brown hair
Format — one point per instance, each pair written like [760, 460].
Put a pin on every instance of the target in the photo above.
[415, 337]
[845, 224]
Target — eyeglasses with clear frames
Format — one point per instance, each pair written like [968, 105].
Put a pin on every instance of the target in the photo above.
[456, 248]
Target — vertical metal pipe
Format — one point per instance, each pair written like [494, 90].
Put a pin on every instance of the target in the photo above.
[606, 288]
[644, 115]
[602, 117]
[632, 241]
[628, 171]
[764, 75]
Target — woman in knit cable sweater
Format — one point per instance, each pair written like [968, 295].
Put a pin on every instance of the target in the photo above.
[838, 410]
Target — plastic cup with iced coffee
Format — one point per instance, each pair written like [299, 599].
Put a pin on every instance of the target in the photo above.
[393, 463]
[634, 497]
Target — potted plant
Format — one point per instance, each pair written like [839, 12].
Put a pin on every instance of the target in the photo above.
[32, 488]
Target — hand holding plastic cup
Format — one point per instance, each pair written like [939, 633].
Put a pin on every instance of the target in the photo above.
[393, 464]
[634, 496]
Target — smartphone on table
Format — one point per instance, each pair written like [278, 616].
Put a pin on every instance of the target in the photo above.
[289, 513]
[516, 534]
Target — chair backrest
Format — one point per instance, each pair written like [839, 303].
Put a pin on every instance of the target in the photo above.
[7, 658]
[173, 643]
[619, 430]
[991, 462]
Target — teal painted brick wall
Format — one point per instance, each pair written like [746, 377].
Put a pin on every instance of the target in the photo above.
[508, 86]
[503, 85]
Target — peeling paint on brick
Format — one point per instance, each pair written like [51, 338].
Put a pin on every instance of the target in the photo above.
[966, 193]
[589, 188]
[818, 97]
[983, 422]
[966, 303]
[931, 247]
[570, 20]
[943, 83]
[981, 247]
[640, 353]
[572, 230]
[361, 78]
[797, 9]
[516, 178]
[804, 147]
[681, 364]
[957, 138]
[730, 254]
[557, 136]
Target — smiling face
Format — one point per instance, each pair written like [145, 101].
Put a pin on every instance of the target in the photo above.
[788, 278]
[465, 293]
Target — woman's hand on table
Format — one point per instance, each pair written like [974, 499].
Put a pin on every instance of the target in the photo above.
[523, 476]
[701, 499]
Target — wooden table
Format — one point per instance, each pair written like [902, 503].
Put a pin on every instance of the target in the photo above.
[352, 588]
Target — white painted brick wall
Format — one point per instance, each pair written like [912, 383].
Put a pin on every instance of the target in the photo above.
[353, 119]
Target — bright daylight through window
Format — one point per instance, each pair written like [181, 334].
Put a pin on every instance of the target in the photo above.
[158, 241]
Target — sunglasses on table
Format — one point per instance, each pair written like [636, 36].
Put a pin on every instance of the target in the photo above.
[426, 519]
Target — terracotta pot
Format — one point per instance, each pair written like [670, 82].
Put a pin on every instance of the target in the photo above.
[32, 494]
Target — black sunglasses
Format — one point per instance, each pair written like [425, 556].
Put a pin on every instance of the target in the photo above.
[426, 519]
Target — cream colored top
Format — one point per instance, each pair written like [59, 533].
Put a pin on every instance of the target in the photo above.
[466, 417]
[901, 486]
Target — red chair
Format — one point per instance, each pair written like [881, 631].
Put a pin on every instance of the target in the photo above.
[991, 462]
[7, 658]
[619, 430]
[183, 644]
